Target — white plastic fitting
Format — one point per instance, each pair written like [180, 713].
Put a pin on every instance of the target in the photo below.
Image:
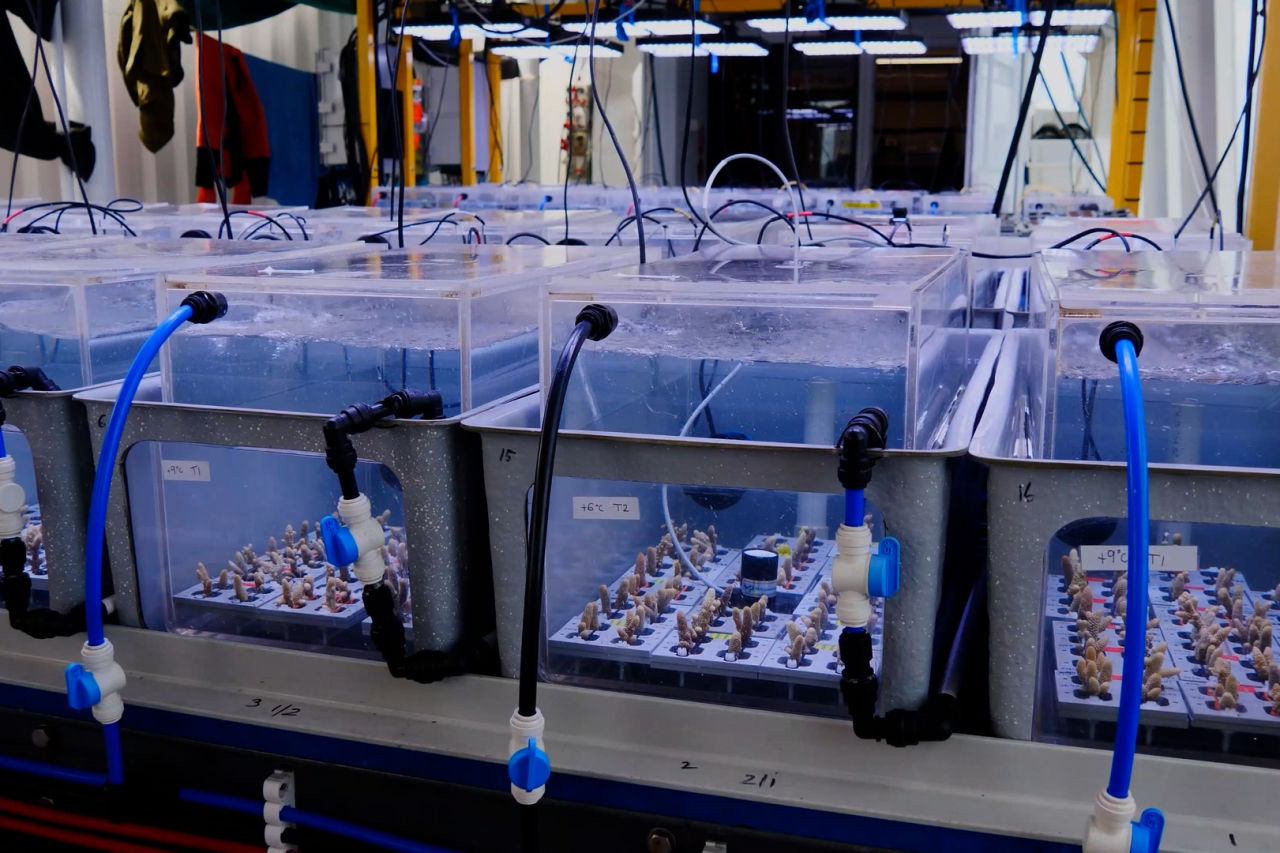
[523, 728]
[12, 499]
[277, 793]
[849, 575]
[357, 516]
[109, 676]
[1110, 829]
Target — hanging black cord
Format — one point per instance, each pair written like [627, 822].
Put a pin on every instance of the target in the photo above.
[533, 115]
[219, 187]
[22, 124]
[1062, 122]
[1024, 108]
[1254, 63]
[887, 238]
[595, 322]
[1215, 211]
[657, 121]
[786, 125]
[608, 125]
[399, 118]
[1084, 117]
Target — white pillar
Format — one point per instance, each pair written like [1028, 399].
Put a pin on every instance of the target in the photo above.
[86, 98]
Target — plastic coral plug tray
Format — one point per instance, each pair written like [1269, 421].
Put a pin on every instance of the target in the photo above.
[711, 656]
[605, 643]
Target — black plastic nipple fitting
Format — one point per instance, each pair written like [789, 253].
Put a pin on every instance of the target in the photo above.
[18, 378]
[206, 306]
[603, 320]
[865, 432]
[1114, 333]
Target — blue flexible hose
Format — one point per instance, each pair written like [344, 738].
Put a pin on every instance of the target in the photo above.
[53, 771]
[106, 466]
[115, 755]
[854, 507]
[3, 452]
[1135, 438]
[315, 821]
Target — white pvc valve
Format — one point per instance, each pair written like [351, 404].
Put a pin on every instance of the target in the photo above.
[357, 516]
[850, 573]
[522, 729]
[1110, 829]
[12, 499]
[109, 676]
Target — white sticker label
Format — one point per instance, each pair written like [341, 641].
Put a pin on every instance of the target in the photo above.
[625, 509]
[191, 470]
[1162, 558]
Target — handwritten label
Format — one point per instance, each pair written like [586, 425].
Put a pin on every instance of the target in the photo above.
[284, 709]
[624, 509]
[1162, 558]
[191, 470]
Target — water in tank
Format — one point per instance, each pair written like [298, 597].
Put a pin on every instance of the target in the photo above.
[777, 352]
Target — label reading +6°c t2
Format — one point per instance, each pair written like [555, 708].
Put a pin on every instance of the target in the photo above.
[624, 509]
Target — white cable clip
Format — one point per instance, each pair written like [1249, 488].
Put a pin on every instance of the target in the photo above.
[277, 792]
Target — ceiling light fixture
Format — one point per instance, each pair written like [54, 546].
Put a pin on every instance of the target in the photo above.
[1074, 17]
[829, 48]
[671, 49]
[1006, 45]
[899, 47]
[919, 60]
[735, 48]
[472, 32]
[984, 20]
[866, 22]
[781, 25]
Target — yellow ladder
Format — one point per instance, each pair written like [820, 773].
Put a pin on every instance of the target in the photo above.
[1135, 39]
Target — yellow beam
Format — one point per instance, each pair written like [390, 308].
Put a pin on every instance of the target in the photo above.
[367, 83]
[1135, 38]
[493, 77]
[405, 84]
[1264, 170]
[466, 112]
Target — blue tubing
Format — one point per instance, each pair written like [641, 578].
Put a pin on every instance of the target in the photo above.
[854, 507]
[315, 821]
[53, 771]
[1135, 628]
[115, 758]
[3, 452]
[106, 466]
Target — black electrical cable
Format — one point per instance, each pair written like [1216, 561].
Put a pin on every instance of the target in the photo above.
[533, 116]
[219, 186]
[1132, 236]
[531, 236]
[1084, 117]
[1191, 118]
[608, 125]
[593, 322]
[887, 238]
[1248, 107]
[657, 120]
[63, 206]
[568, 150]
[1009, 157]
[1254, 71]
[1062, 122]
[786, 125]
[1062, 244]
[398, 120]
[22, 124]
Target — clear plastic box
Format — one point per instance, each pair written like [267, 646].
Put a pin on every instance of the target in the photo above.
[872, 326]
[315, 334]
[1052, 434]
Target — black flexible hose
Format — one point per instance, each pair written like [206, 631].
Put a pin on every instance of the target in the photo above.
[1191, 118]
[594, 322]
[1025, 108]
[1248, 112]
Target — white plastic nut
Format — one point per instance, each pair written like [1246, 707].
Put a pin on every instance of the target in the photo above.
[1109, 829]
[849, 575]
[109, 676]
[523, 728]
[357, 515]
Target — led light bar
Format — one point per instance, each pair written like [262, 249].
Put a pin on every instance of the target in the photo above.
[735, 48]
[1005, 45]
[900, 47]
[472, 32]
[640, 29]
[1074, 17]
[866, 22]
[919, 60]
[829, 48]
[779, 25]
[984, 20]
[671, 50]
[545, 51]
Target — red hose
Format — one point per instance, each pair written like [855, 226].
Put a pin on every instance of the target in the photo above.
[138, 831]
[78, 839]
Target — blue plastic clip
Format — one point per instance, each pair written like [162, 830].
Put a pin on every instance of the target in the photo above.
[82, 688]
[530, 768]
[815, 10]
[339, 544]
[1146, 832]
[884, 573]
[455, 35]
[715, 63]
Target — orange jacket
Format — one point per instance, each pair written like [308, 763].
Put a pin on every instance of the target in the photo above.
[237, 140]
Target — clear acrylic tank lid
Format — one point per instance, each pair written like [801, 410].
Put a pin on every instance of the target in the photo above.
[315, 334]
[81, 308]
[776, 353]
[1210, 363]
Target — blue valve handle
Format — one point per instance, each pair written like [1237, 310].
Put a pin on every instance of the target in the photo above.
[885, 572]
[530, 768]
[1146, 833]
[82, 688]
[339, 544]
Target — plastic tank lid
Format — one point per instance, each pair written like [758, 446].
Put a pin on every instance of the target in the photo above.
[1091, 280]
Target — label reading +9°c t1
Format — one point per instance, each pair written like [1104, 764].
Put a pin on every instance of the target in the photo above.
[191, 470]
[1162, 558]
[624, 509]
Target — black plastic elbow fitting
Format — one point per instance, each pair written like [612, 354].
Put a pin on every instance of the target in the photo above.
[388, 636]
[1114, 333]
[206, 306]
[603, 320]
[860, 689]
[865, 432]
[18, 378]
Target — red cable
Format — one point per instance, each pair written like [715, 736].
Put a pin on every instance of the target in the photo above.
[140, 831]
[78, 839]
